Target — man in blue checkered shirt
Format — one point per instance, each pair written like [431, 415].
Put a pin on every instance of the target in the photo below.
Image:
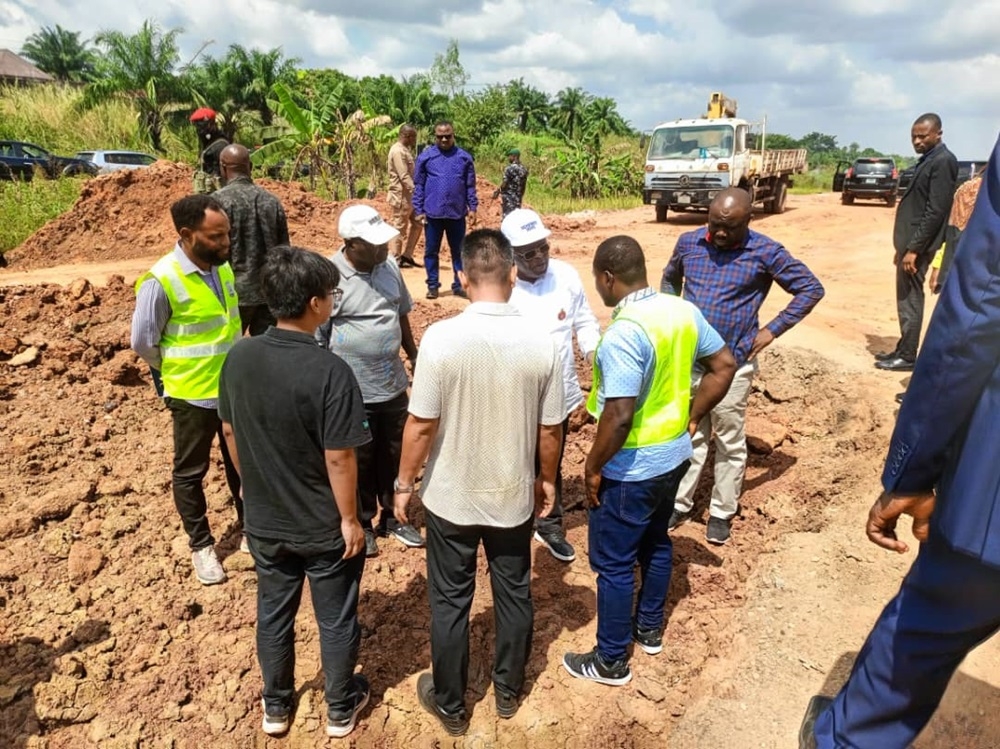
[444, 195]
[727, 270]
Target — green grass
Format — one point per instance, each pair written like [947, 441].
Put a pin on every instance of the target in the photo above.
[25, 206]
[814, 181]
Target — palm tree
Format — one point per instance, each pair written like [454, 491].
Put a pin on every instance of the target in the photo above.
[256, 73]
[531, 106]
[140, 68]
[569, 106]
[600, 116]
[61, 54]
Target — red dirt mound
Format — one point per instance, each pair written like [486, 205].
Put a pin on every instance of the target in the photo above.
[125, 215]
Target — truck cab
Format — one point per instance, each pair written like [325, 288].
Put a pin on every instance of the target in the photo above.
[689, 161]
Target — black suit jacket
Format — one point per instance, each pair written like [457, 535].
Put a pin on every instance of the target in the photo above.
[922, 214]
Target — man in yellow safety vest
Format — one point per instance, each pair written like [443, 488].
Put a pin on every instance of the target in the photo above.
[186, 319]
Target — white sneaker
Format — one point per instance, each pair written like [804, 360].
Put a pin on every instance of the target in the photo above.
[244, 547]
[207, 567]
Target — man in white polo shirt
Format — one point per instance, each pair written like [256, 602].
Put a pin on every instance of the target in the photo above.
[550, 294]
[488, 393]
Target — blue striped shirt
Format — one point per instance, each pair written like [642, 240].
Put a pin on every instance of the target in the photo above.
[729, 286]
[444, 183]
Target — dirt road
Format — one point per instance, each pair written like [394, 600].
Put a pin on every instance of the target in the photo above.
[107, 640]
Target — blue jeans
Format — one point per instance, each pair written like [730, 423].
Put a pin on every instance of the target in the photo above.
[434, 231]
[334, 585]
[631, 524]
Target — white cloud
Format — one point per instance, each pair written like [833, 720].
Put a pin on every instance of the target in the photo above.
[859, 69]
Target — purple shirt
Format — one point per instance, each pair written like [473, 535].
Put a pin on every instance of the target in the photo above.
[729, 286]
[444, 183]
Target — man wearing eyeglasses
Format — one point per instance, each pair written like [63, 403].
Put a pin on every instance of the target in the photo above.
[550, 294]
[367, 328]
[444, 197]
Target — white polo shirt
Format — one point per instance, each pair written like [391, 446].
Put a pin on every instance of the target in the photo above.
[557, 303]
[491, 376]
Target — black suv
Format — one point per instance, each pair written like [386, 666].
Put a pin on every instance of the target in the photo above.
[966, 171]
[874, 178]
[18, 160]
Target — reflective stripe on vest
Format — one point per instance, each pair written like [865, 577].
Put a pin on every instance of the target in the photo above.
[200, 332]
[669, 325]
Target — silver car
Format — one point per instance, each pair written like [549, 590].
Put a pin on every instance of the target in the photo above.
[113, 161]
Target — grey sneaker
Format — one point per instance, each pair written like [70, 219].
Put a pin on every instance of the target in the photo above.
[557, 545]
[274, 724]
[371, 545]
[339, 728]
[677, 518]
[718, 531]
[592, 667]
[407, 535]
[207, 567]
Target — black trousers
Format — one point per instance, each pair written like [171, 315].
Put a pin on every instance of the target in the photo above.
[378, 461]
[334, 587]
[451, 584]
[256, 318]
[554, 521]
[194, 430]
[910, 305]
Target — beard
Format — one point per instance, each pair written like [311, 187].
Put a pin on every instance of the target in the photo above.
[210, 256]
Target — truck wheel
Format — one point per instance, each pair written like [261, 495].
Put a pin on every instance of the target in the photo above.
[777, 204]
[847, 199]
[661, 214]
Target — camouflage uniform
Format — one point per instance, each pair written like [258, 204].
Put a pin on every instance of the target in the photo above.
[206, 177]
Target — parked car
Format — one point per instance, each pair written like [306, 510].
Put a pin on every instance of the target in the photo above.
[20, 160]
[870, 178]
[966, 171]
[114, 161]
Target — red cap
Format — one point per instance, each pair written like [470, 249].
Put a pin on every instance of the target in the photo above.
[204, 113]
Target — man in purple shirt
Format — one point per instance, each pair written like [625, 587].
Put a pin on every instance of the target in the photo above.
[727, 270]
[444, 194]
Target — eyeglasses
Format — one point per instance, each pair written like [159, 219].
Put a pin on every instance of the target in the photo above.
[337, 295]
[528, 254]
[449, 136]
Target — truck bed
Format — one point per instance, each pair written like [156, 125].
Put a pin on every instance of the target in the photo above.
[771, 163]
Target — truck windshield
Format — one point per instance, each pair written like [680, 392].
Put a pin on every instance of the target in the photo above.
[709, 141]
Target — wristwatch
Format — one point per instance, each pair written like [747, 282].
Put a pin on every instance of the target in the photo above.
[398, 488]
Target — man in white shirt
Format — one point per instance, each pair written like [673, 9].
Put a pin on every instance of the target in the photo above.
[488, 393]
[550, 294]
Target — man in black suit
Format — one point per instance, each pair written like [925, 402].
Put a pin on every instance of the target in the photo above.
[919, 230]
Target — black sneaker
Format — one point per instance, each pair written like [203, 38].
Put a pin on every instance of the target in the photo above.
[557, 544]
[718, 531]
[677, 518]
[407, 535]
[590, 666]
[339, 728]
[506, 704]
[650, 640]
[456, 724]
[432, 293]
[274, 723]
[371, 545]
[817, 705]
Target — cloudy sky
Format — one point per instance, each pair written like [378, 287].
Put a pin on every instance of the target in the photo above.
[858, 69]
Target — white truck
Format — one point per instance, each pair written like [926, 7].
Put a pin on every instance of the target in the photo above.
[690, 161]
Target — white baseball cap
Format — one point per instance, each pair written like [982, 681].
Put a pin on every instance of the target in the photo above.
[364, 222]
[523, 227]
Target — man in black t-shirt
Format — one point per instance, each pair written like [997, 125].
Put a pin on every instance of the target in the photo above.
[292, 414]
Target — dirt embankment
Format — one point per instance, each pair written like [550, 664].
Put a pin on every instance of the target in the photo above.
[125, 215]
[107, 640]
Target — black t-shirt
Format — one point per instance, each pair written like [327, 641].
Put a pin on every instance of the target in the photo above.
[288, 400]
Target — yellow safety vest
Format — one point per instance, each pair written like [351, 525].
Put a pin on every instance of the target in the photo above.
[200, 331]
[669, 324]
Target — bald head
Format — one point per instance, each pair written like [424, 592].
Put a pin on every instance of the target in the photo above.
[729, 218]
[235, 160]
